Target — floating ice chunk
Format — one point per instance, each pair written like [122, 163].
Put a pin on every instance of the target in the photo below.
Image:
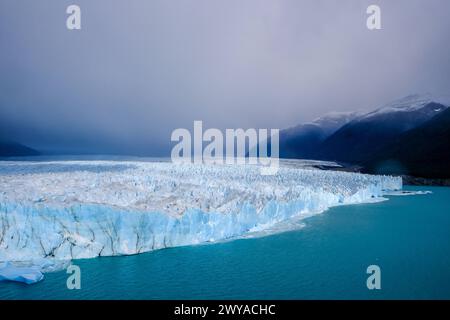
[407, 193]
[28, 275]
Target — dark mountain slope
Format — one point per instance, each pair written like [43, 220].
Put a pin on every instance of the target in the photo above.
[360, 139]
[423, 151]
[303, 140]
[13, 149]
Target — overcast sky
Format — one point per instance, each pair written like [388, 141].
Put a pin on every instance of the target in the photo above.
[139, 69]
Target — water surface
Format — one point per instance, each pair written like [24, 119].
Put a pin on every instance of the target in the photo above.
[407, 236]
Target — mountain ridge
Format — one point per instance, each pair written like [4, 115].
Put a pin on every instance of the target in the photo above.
[368, 138]
[15, 149]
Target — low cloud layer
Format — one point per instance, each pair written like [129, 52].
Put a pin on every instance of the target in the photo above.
[137, 70]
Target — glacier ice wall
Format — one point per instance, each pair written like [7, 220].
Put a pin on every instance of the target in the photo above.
[66, 210]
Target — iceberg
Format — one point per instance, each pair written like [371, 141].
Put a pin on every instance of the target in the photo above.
[53, 212]
[28, 275]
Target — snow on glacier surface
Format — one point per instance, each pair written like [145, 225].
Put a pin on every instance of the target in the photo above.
[62, 210]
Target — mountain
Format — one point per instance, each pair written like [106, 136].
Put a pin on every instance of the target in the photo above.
[303, 140]
[363, 137]
[408, 136]
[12, 149]
[423, 151]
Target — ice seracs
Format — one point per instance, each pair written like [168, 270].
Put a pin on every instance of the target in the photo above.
[56, 211]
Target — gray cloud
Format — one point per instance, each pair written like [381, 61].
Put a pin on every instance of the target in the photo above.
[139, 69]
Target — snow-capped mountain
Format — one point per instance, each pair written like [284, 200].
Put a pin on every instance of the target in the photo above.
[370, 139]
[355, 136]
[332, 121]
[303, 140]
[362, 137]
[411, 103]
[415, 108]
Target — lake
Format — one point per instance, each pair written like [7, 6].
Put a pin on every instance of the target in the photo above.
[408, 237]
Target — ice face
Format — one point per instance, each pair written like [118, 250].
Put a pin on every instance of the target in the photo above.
[57, 211]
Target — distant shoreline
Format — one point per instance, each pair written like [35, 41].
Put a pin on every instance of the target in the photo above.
[407, 179]
[418, 181]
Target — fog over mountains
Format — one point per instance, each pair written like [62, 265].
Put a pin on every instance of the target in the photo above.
[377, 138]
[303, 141]
[11, 149]
[408, 136]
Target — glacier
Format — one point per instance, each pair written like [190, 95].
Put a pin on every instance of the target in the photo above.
[54, 211]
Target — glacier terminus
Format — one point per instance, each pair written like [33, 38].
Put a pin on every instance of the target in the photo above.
[54, 211]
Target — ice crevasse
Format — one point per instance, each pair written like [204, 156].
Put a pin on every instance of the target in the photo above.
[52, 212]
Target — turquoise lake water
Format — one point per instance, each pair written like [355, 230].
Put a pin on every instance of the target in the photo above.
[408, 237]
